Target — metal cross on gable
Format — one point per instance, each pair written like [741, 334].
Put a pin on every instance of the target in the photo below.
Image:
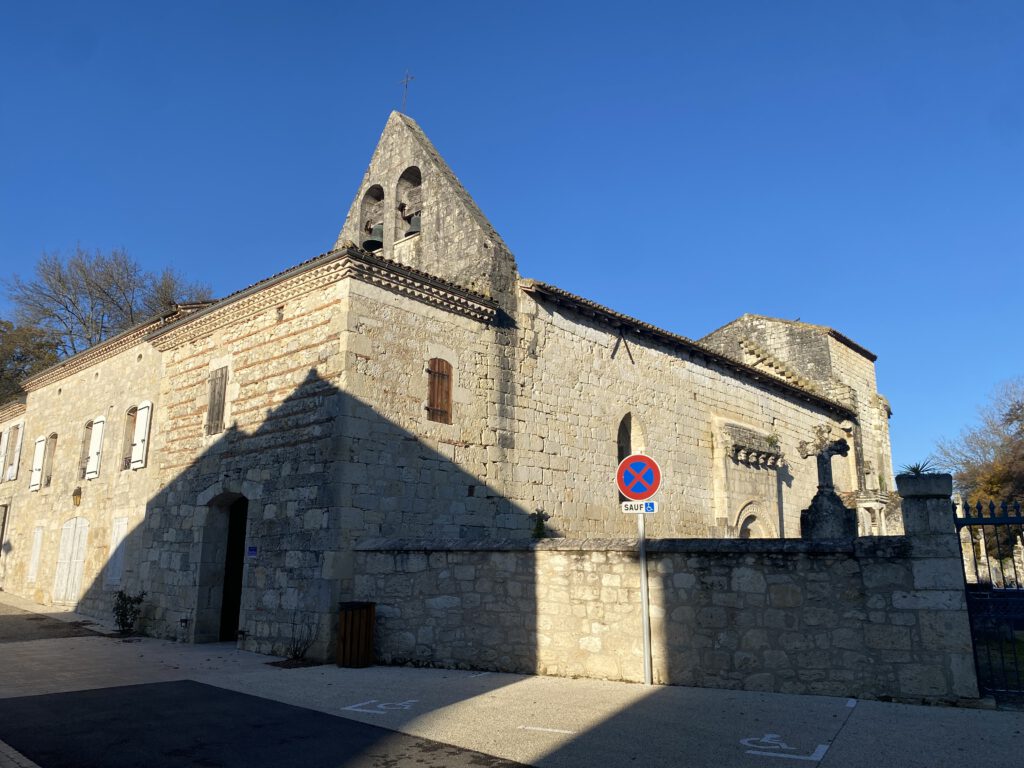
[405, 88]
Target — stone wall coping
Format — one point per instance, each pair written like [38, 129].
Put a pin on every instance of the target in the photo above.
[875, 546]
[925, 486]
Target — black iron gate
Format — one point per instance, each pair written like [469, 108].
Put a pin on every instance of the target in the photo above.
[992, 545]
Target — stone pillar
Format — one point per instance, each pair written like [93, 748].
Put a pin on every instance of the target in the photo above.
[942, 625]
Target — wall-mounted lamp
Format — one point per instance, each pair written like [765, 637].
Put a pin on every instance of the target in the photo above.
[76, 497]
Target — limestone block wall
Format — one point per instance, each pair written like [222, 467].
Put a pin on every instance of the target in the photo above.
[579, 378]
[871, 618]
[859, 373]
[278, 450]
[412, 476]
[112, 504]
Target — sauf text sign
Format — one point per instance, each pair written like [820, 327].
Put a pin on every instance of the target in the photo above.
[639, 507]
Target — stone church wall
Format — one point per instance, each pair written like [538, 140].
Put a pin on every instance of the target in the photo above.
[579, 378]
[411, 475]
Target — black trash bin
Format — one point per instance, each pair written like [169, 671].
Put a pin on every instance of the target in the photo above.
[355, 634]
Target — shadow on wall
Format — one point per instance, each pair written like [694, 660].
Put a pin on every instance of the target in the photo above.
[256, 533]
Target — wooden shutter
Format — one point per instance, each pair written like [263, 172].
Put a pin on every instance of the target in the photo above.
[140, 439]
[215, 414]
[78, 559]
[67, 584]
[3, 453]
[12, 470]
[37, 548]
[60, 579]
[439, 391]
[36, 481]
[92, 466]
[115, 560]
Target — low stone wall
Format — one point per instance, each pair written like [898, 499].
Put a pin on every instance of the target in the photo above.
[871, 618]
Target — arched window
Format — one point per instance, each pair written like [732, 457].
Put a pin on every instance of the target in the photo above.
[51, 448]
[625, 438]
[409, 196]
[371, 217]
[439, 391]
[92, 447]
[629, 440]
[128, 438]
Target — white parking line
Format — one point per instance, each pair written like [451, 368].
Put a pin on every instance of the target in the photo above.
[545, 730]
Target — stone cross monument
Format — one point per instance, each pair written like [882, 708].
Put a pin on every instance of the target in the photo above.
[827, 517]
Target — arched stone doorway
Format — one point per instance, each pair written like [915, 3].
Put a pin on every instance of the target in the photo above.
[221, 569]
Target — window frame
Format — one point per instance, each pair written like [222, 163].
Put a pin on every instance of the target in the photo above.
[440, 376]
[216, 402]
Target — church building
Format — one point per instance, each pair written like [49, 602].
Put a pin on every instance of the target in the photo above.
[227, 457]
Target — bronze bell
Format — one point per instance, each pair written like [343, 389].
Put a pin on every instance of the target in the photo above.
[375, 240]
[414, 225]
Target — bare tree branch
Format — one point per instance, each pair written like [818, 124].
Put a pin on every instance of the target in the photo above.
[84, 298]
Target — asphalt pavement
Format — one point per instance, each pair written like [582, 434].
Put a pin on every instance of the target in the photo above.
[169, 704]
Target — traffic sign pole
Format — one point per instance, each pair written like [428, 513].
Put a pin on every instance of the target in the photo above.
[645, 599]
[638, 478]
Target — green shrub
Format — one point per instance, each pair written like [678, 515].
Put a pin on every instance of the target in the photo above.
[126, 610]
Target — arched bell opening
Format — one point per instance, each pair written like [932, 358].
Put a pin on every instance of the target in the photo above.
[371, 216]
[409, 196]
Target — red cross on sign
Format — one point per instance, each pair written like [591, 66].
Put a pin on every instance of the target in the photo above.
[638, 477]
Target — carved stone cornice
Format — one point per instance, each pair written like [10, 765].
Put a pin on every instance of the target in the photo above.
[745, 446]
[418, 285]
[328, 268]
[102, 351]
[274, 291]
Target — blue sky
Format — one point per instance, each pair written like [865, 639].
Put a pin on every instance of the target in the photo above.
[854, 164]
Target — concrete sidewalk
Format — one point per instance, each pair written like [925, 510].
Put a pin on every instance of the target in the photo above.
[542, 721]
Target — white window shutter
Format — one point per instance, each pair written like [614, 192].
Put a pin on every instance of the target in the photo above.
[78, 559]
[140, 439]
[13, 473]
[37, 548]
[63, 573]
[3, 453]
[36, 481]
[92, 467]
[115, 560]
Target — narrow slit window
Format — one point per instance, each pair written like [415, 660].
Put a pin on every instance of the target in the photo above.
[218, 388]
[439, 391]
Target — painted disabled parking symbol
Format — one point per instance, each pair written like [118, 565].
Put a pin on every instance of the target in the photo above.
[375, 707]
[772, 745]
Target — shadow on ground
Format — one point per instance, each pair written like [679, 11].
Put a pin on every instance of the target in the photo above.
[18, 626]
[167, 725]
